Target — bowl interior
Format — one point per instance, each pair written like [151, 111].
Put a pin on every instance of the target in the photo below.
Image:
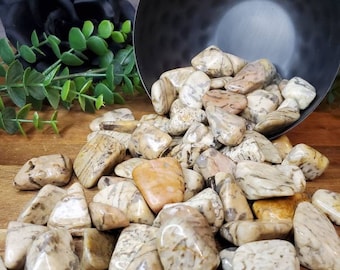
[301, 38]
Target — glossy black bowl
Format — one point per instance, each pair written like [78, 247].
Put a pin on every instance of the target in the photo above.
[301, 38]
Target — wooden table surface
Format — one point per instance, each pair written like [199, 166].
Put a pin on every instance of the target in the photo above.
[320, 130]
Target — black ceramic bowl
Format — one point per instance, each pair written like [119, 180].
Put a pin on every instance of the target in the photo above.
[301, 38]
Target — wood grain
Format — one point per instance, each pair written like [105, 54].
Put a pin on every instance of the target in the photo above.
[320, 130]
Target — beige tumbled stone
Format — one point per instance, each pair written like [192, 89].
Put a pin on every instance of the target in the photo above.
[37, 172]
[114, 115]
[161, 181]
[329, 203]
[163, 93]
[97, 249]
[97, 158]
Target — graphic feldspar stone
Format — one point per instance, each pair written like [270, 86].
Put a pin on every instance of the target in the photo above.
[97, 158]
[71, 212]
[160, 181]
[19, 238]
[185, 240]
[97, 249]
[135, 247]
[329, 203]
[266, 254]
[40, 171]
[53, 249]
[38, 210]
[316, 240]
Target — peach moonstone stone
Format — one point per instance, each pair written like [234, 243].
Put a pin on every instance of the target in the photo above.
[160, 181]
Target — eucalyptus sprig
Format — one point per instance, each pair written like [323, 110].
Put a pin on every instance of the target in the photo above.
[94, 68]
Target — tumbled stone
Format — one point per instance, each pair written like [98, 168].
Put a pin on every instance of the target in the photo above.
[252, 76]
[135, 248]
[211, 161]
[311, 161]
[176, 107]
[248, 149]
[125, 196]
[40, 171]
[2, 265]
[122, 137]
[19, 238]
[213, 62]
[186, 153]
[300, 90]
[97, 249]
[316, 240]
[199, 135]
[125, 168]
[227, 128]
[158, 121]
[193, 182]
[295, 174]
[148, 142]
[96, 158]
[283, 145]
[106, 217]
[114, 115]
[38, 210]
[259, 103]
[240, 232]
[163, 93]
[106, 181]
[219, 82]
[266, 254]
[235, 204]
[329, 203]
[160, 181]
[261, 180]
[226, 256]
[192, 91]
[185, 240]
[181, 120]
[231, 102]
[282, 208]
[122, 126]
[71, 212]
[53, 249]
[178, 76]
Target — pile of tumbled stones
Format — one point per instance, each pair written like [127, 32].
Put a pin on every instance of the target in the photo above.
[196, 185]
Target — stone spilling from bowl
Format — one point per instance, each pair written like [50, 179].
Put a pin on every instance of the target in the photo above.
[194, 185]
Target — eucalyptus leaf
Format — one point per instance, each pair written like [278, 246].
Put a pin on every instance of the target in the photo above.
[53, 97]
[70, 59]
[106, 59]
[50, 75]
[18, 95]
[68, 92]
[117, 37]
[105, 29]
[54, 43]
[35, 39]
[23, 112]
[110, 76]
[54, 122]
[97, 45]
[6, 52]
[33, 82]
[126, 27]
[99, 102]
[102, 90]
[37, 122]
[2, 71]
[118, 99]
[87, 29]
[2, 105]
[28, 54]
[77, 39]
[14, 73]
[128, 85]
[7, 120]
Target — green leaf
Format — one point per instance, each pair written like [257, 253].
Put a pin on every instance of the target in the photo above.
[102, 90]
[126, 27]
[70, 59]
[17, 95]
[6, 52]
[106, 59]
[82, 102]
[68, 92]
[54, 42]
[77, 39]
[54, 122]
[53, 97]
[118, 98]
[86, 86]
[105, 29]
[110, 76]
[23, 112]
[28, 54]
[2, 105]
[34, 83]
[38, 124]
[125, 56]
[2, 71]
[87, 29]
[49, 76]
[117, 37]
[34, 39]
[7, 120]
[99, 102]
[97, 45]
[127, 86]
[15, 73]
